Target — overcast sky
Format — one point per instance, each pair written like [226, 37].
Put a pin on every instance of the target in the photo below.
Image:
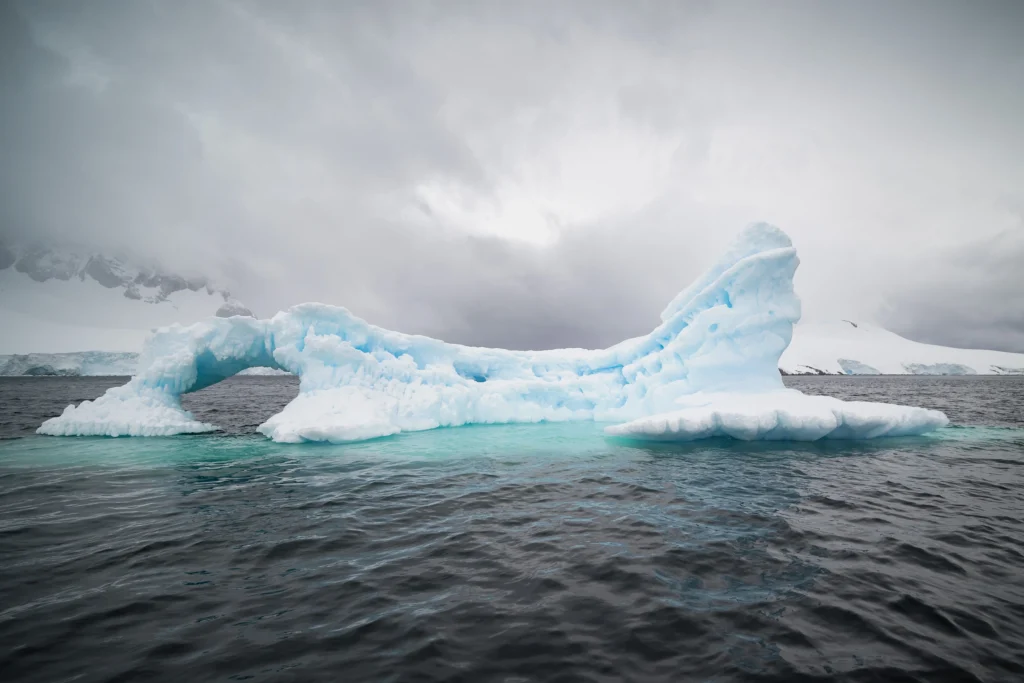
[531, 174]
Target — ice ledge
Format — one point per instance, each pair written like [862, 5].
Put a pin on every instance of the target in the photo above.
[786, 415]
[126, 411]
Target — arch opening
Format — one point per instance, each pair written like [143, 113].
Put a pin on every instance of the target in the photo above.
[241, 403]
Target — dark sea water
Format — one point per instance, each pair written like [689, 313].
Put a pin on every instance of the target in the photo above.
[512, 553]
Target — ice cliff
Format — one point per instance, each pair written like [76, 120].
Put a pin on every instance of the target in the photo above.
[710, 368]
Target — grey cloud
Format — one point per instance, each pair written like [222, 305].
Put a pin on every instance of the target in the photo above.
[282, 147]
[971, 296]
[7, 257]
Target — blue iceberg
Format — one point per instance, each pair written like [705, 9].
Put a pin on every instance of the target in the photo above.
[710, 368]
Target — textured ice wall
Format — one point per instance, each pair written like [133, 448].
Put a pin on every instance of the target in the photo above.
[721, 337]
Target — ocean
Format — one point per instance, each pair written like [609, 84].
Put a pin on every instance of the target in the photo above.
[512, 553]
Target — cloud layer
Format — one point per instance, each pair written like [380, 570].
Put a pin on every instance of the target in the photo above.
[522, 175]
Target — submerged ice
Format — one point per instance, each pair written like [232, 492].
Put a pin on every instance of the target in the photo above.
[710, 368]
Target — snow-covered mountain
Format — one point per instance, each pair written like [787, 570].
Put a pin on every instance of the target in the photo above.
[845, 347]
[56, 300]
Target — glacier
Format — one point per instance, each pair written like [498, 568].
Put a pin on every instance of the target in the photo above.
[82, 363]
[710, 368]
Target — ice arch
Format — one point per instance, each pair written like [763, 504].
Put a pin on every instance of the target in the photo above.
[709, 368]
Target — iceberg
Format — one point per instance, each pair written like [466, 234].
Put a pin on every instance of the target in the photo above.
[710, 368]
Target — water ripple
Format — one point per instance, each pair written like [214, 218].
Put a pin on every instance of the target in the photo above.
[514, 553]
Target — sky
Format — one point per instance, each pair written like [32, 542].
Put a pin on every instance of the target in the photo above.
[530, 174]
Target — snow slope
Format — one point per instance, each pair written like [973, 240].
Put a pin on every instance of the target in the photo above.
[850, 348]
[709, 369]
[55, 301]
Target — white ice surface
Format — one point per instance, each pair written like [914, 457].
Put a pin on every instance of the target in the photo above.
[722, 336]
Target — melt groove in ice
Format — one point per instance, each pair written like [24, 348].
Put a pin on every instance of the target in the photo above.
[710, 368]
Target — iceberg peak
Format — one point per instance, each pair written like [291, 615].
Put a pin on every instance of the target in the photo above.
[719, 341]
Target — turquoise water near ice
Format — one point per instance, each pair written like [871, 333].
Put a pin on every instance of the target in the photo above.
[514, 552]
